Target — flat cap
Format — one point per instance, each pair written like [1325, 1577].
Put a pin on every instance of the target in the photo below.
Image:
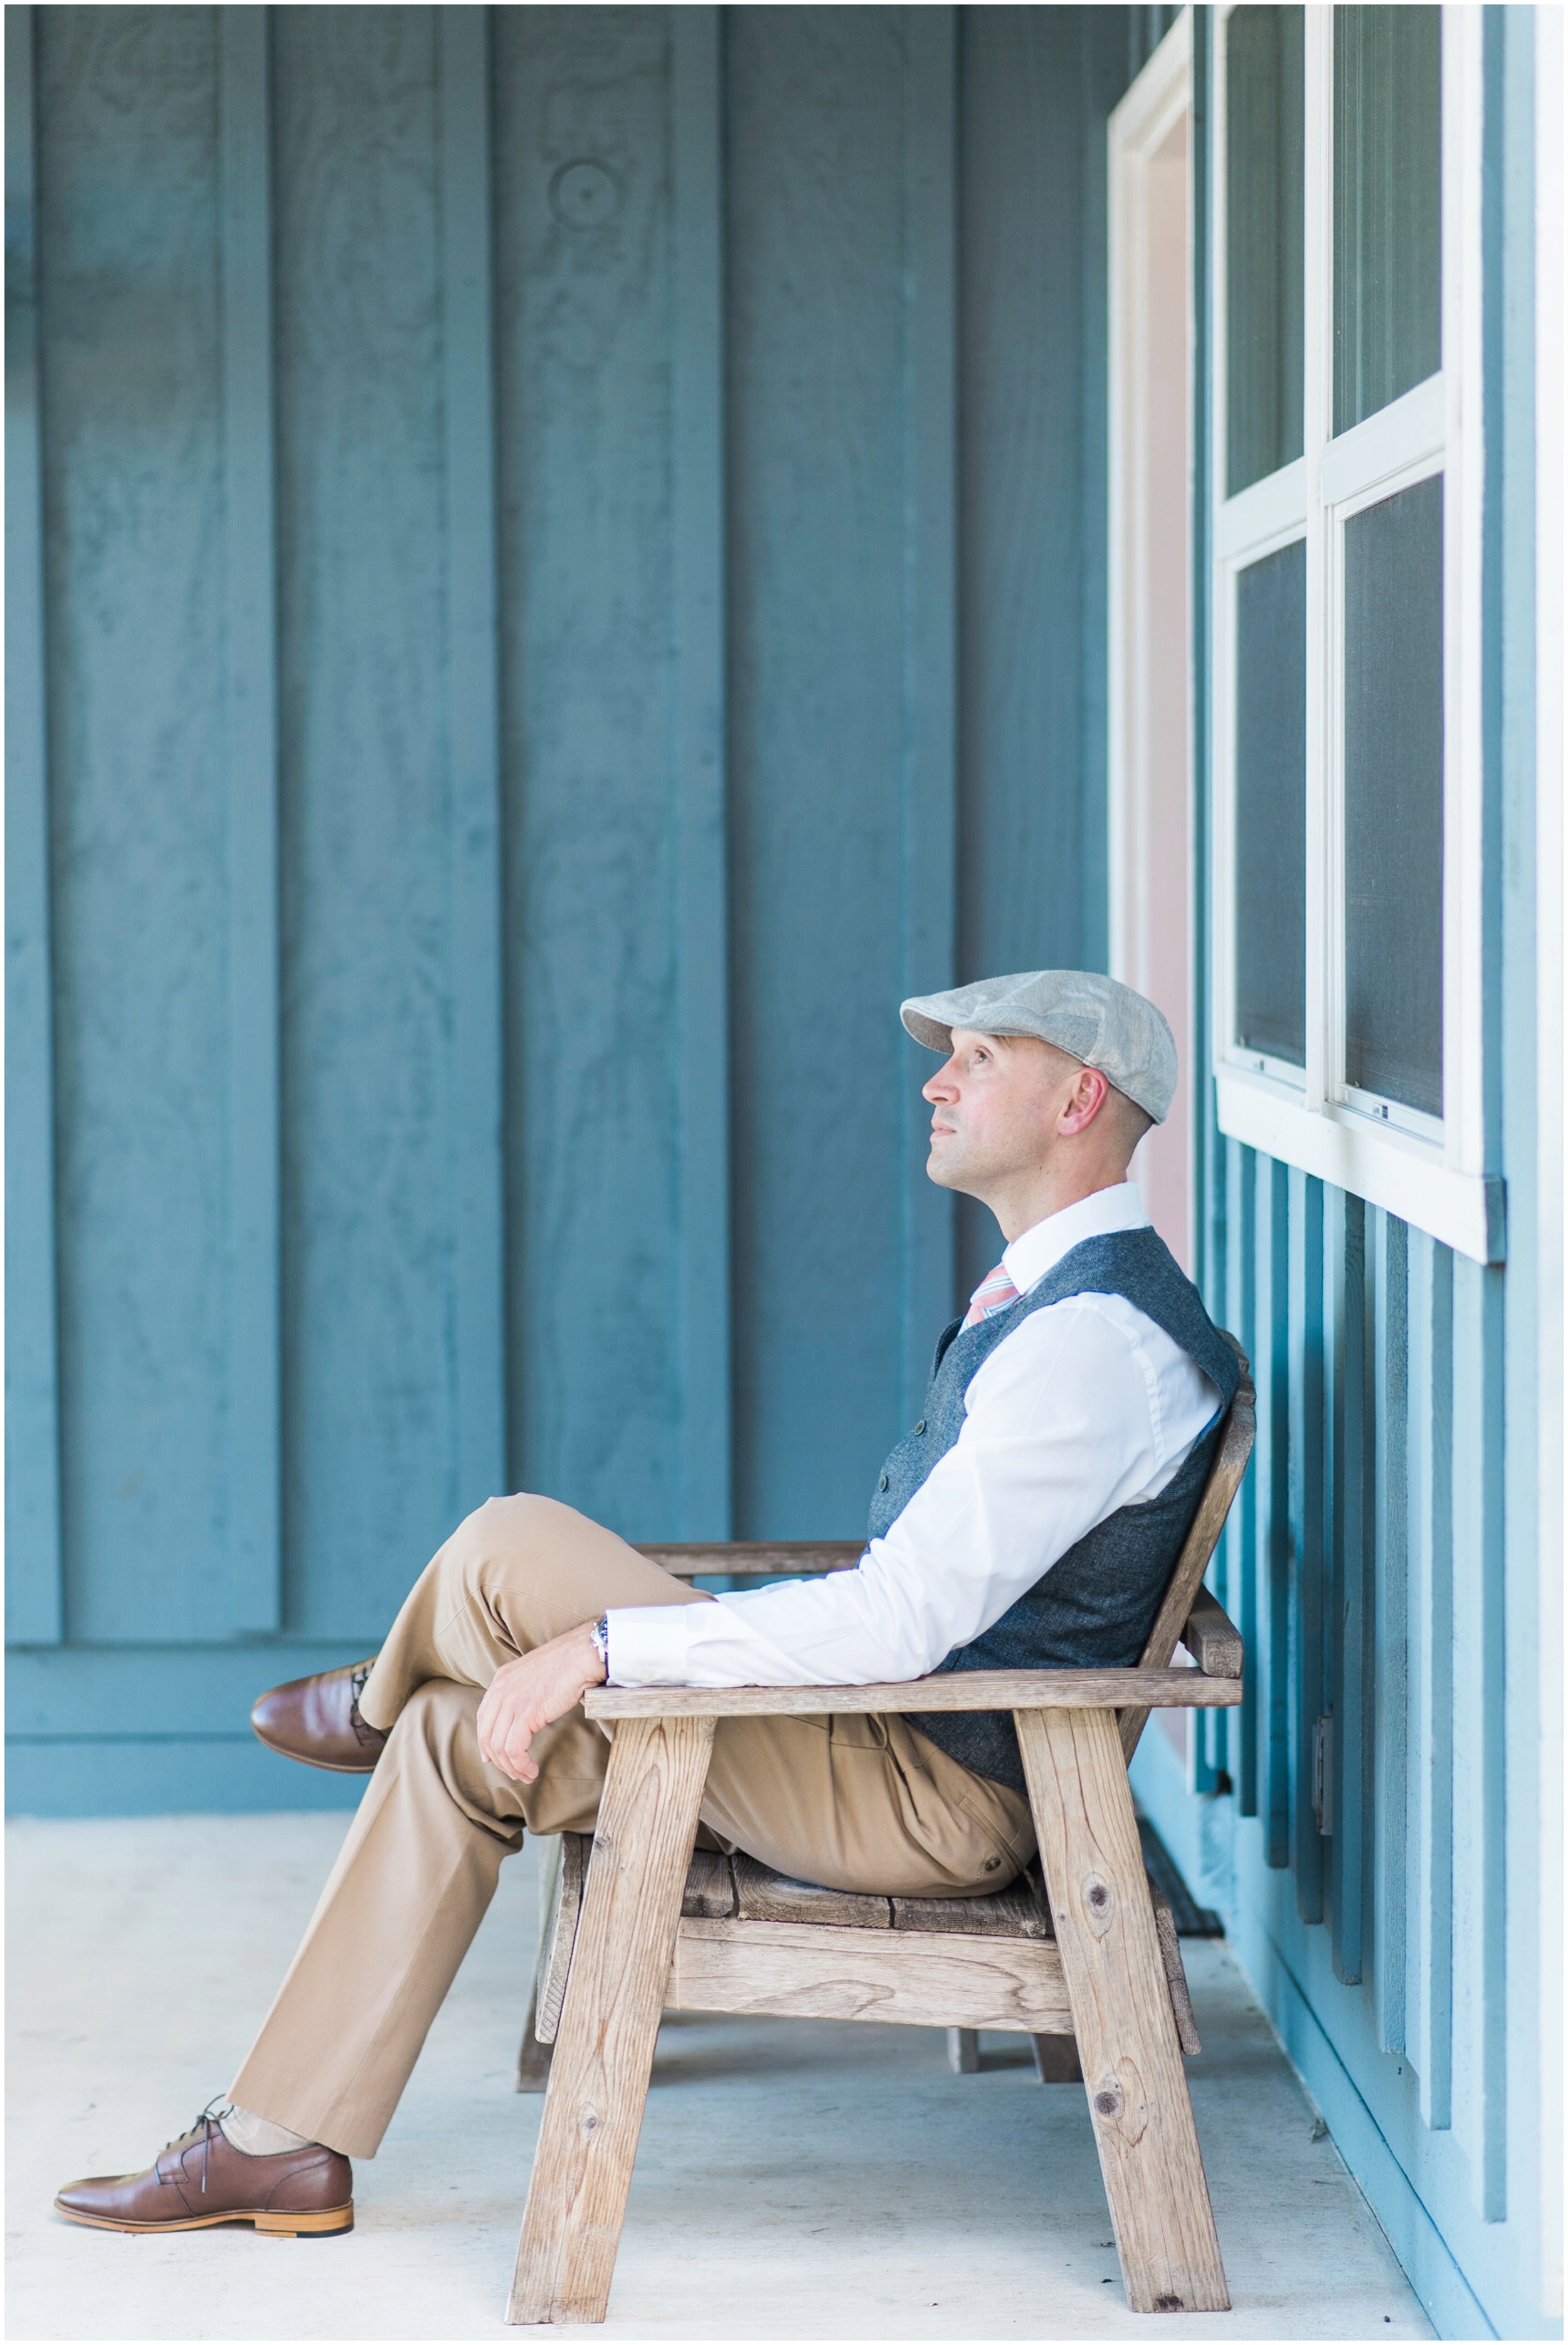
[1093, 1019]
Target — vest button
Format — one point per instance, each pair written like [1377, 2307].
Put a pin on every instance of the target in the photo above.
[921, 1426]
[883, 1484]
[992, 1864]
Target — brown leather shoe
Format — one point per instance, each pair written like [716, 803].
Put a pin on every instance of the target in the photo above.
[201, 2179]
[317, 1719]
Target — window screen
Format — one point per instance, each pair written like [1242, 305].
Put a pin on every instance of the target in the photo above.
[1264, 242]
[1387, 206]
[1393, 799]
[1272, 805]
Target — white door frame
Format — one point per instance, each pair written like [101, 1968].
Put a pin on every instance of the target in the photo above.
[1150, 786]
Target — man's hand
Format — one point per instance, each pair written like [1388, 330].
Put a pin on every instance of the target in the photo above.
[531, 1693]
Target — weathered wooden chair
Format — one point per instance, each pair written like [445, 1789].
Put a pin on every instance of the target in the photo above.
[637, 1923]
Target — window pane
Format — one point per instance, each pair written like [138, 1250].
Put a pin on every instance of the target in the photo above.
[1393, 799]
[1387, 206]
[1264, 240]
[1272, 805]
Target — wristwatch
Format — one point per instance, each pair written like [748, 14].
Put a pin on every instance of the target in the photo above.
[600, 1635]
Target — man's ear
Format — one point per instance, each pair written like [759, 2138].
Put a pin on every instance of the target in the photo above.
[1088, 1097]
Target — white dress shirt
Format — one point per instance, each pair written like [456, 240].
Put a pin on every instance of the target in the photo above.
[1085, 1408]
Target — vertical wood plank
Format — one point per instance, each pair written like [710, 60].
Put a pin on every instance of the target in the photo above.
[1226, 1580]
[1349, 1619]
[1122, 2021]
[140, 805]
[585, 323]
[473, 721]
[1253, 1512]
[1359, 1795]
[1467, 1730]
[1217, 1744]
[1034, 88]
[251, 712]
[929, 810]
[1487, 1498]
[1479, 1779]
[1100, 77]
[700, 765]
[1274, 1497]
[373, 986]
[609, 2021]
[816, 332]
[1392, 1721]
[1307, 1481]
[1430, 1939]
[35, 1595]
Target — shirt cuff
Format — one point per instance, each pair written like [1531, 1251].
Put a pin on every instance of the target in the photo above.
[649, 1644]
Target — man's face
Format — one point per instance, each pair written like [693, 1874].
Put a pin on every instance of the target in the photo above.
[997, 1107]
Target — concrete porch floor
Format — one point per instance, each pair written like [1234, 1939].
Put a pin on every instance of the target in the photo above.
[795, 2180]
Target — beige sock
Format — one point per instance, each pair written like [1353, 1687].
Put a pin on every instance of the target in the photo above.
[258, 2136]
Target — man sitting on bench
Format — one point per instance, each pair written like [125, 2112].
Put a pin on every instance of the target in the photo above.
[1030, 1519]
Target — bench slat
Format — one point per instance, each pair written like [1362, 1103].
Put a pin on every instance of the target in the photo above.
[764, 1895]
[1015, 1912]
[710, 1892]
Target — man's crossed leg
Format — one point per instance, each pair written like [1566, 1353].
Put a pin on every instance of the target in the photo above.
[854, 1803]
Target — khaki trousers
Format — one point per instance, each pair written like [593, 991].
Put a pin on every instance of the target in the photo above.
[854, 1803]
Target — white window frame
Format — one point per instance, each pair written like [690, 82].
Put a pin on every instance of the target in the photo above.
[1143, 377]
[1429, 1171]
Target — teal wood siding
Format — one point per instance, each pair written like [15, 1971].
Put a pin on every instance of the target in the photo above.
[558, 571]
[1383, 1560]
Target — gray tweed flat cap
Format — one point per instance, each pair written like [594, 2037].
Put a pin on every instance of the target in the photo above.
[1091, 1018]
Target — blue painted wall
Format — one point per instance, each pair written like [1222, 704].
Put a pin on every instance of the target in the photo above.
[568, 575]
[556, 568]
[1384, 1559]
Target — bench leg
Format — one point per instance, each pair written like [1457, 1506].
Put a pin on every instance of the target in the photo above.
[1116, 1983]
[609, 2021]
[533, 2058]
[964, 2051]
[1056, 2060]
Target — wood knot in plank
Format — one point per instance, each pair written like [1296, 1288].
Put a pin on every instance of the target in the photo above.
[1121, 2100]
[1100, 1903]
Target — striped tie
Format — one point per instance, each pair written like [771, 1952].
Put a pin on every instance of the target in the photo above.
[993, 1295]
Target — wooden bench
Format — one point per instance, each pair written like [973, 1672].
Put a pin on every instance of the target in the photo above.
[1001, 1971]
[637, 1922]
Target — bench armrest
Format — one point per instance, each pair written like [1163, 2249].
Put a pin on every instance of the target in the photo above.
[1212, 1639]
[956, 1690]
[756, 1559]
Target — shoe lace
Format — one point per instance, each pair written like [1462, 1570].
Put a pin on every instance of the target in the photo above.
[364, 1733]
[210, 2120]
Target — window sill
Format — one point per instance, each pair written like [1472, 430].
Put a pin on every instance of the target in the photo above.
[1405, 1175]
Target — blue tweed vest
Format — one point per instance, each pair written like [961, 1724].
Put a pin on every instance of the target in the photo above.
[1095, 1606]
